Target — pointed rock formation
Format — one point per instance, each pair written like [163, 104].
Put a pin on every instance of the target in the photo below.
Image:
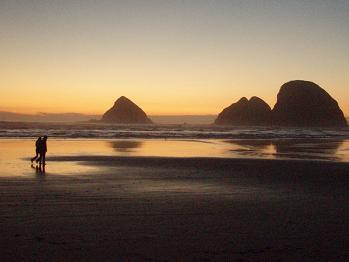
[125, 111]
[253, 112]
[304, 103]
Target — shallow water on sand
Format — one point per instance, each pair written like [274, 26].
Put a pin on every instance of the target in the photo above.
[15, 153]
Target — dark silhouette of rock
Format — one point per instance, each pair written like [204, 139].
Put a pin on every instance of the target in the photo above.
[304, 103]
[253, 112]
[125, 111]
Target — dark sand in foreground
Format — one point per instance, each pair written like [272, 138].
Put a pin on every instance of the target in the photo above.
[183, 209]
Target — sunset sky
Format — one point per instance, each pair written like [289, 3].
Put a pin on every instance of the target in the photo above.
[169, 57]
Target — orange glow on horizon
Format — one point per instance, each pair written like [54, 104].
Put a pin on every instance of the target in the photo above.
[178, 57]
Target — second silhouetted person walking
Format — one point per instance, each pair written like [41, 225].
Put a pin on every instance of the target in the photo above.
[43, 151]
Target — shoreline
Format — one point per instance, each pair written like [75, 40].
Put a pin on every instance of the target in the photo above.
[327, 150]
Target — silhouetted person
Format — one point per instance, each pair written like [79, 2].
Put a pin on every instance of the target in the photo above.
[43, 150]
[37, 150]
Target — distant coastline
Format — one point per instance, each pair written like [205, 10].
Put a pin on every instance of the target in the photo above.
[78, 117]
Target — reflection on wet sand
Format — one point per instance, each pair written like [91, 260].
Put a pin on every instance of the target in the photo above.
[253, 148]
[124, 146]
[39, 170]
[15, 153]
[314, 149]
[253, 144]
[289, 148]
[167, 147]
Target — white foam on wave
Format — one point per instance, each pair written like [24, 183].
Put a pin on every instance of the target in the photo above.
[23, 130]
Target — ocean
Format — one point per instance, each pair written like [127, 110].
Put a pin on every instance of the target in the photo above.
[320, 144]
[92, 130]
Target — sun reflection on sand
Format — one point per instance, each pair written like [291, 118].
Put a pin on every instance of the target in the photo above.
[15, 157]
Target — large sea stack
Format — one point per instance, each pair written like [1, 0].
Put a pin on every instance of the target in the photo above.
[125, 111]
[253, 112]
[304, 103]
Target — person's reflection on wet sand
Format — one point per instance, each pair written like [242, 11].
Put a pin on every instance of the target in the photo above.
[39, 170]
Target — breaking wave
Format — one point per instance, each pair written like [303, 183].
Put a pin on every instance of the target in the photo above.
[82, 130]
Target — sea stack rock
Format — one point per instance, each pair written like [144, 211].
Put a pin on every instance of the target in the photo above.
[125, 111]
[253, 112]
[305, 104]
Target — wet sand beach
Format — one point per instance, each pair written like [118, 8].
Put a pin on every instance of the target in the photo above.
[109, 207]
